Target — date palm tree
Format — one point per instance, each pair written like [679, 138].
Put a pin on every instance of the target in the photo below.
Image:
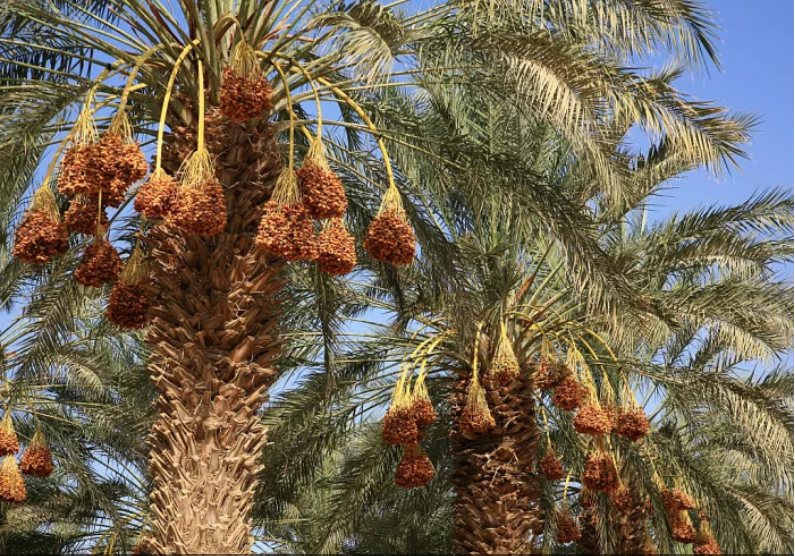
[219, 304]
[76, 379]
[331, 475]
[686, 272]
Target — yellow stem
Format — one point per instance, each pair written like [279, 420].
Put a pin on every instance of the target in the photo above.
[290, 112]
[414, 355]
[399, 395]
[611, 393]
[601, 341]
[566, 488]
[315, 93]
[407, 383]
[627, 390]
[417, 333]
[546, 422]
[307, 134]
[366, 119]
[113, 68]
[8, 390]
[141, 229]
[133, 74]
[143, 526]
[65, 141]
[111, 544]
[475, 378]
[422, 353]
[167, 98]
[200, 67]
[593, 353]
[406, 356]
[433, 346]
[417, 351]
[586, 344]
[235, 21]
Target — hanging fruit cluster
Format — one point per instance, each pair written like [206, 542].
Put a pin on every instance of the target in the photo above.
[422, 407]
[567, 530]
[682, 529]
[632, 424]
[399, 424]
[569, 393]
[200, 209]
[550, 373]
[476, 417]
[36, 461]
[600, 474]
[323, 193]
[108, 165]
[677, 505]
[97, 170]
[129, 301]
[410, 413]
[9, 442]
[85, 215]
[676, 499]
[592, 420]
[12, 485]
[390, 238]
[415, 468]
[551, 467]
[198, 206]
[336, 249]
[245, 91]
[705, 540]
[570, 387]
[504, 366]
[622, 499]
[100, 264]
[42, 235]
[157, 195]
[286, 229]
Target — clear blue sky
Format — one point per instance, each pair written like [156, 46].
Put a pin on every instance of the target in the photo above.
[756, 76]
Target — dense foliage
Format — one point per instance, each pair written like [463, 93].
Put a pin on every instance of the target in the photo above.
[399, 205]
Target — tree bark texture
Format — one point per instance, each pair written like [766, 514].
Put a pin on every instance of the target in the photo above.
[215, 339]
[496, 492]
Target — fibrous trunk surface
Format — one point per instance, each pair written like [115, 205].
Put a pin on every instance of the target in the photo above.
[215, 339]
[496, 494]
[632, 529]
[589, 542]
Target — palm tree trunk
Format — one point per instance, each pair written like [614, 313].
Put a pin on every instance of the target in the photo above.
[632, 530]
[496, 494]
[215, 339]
[590, 542]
